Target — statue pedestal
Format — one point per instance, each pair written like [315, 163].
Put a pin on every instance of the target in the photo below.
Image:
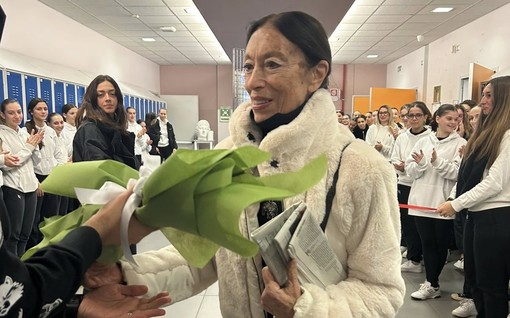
[197, 143]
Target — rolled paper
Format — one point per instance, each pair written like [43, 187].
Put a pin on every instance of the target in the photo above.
[195, 198]
[417, 207]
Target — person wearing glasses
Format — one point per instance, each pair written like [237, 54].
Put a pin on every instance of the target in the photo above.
[418, 117]
[382, 135]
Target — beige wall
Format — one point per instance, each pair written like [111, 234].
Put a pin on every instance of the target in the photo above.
[359, 79]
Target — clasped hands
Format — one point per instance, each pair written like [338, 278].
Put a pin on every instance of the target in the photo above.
[111, 298]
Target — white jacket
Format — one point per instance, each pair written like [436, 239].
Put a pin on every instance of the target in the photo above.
[135, 129]
[21, 178]
[363, 226]
[51, 153]
[381, 134]
[402, 150]
[68, 134]
[433, 182]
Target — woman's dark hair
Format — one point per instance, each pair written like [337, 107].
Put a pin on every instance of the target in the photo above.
[469, 102]
[424, 109]
[6, 102]
[443, 109]
[90, 110]
[302, 30]
[486, 140]
[139, 121]
[361, 116]
[150, 119]
[66, 108]
[468, 130]
[50, 116]
[30, 125]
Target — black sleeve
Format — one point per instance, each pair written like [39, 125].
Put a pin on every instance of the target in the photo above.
[171, 137]
[89, 144]
[40, 286]
[154, 134]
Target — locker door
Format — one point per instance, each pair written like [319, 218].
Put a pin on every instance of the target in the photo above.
[58, 89]
[46, 93]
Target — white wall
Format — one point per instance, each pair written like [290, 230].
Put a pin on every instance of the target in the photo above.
[411, 74]
[34, 29]
[483, 41]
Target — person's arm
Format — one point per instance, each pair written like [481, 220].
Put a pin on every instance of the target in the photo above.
[60, 152]
[387, 144]
[171, 137]
[416, 169]
[446, 168]
[371, 134]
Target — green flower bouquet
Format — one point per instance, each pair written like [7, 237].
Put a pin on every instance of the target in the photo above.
[195, 198]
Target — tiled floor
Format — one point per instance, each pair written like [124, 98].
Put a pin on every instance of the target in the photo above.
[205, 305]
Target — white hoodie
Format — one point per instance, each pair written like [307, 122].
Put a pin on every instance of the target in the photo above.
[434, 181]
[402, 150]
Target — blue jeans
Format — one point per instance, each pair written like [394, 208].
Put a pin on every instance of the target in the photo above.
[21, 209]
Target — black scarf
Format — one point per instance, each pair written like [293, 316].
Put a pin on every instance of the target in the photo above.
[470, 173]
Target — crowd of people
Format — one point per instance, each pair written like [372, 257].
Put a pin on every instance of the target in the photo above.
[434, 156]
[449, 168]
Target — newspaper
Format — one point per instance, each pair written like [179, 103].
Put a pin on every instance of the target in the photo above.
[296, 234]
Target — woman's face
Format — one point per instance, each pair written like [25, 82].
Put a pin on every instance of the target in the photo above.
[277, 76]
[57, 123]
[448, 122]
[71, 115]
[474, 115]
[40, 112]
[486, 102]
[106, 98]
[461, 115]
[12, 115]
[395, 114]
[416, 118]
[403, 117]
[384, 116]
[361, 123]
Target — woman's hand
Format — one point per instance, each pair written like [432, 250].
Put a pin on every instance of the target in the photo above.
[446, 209]
[400, 166]
[99, 274]
[10, 160]
[434, 155]
[39, 191]
[378, 146]
[117, 300]
[35, 137]
[280, 301]
[417, 157]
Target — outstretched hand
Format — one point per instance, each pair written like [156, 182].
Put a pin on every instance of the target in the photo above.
[99, 275]
[112, 301]
[277, 300]
[417, 157]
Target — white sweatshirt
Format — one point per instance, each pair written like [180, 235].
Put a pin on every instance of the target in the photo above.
[381, 134]
[404, 144]
[51, 153]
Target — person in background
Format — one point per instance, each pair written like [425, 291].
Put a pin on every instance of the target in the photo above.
[361, 129]
[346, 119]
[418, 117]
[102, 125]
[468, 104]
[404, 119]
[69, 112]
[137, 130]
[339, 115]
[484, 191]
[145, 143]
[369, 118]
[434, 165]
[51, 155]
[150, 121]
[286, 65]
[382, 135]
[396, 117]
[42, 286]
[474, 116]
[464, 128]
[163, 136]
[20, 182]
[56, 122]
[356, 114]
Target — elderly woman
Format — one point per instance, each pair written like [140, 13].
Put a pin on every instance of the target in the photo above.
[291, 116]
[102, 125]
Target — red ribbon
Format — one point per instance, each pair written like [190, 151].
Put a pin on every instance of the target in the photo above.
[416, 207]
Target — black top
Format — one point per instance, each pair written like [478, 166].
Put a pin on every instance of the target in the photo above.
[97, 141]
[154, 132]
[40, 286]
[360, 133]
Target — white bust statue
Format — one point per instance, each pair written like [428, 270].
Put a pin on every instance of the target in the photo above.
[203, 131]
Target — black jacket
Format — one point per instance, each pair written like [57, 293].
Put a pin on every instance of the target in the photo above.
[154, 133]
[360, 133]
[96, 141]
[40, 286]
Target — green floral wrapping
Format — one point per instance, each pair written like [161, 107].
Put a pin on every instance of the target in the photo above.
[195, 198]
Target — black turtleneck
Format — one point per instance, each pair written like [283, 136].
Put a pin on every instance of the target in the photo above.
[277, 120]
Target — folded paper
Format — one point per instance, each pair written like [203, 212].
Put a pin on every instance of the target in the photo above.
[195, 198]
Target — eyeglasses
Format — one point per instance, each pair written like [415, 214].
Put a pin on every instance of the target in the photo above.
[414, 116]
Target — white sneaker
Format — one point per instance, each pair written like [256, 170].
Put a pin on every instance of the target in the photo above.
[404, 255]
[403, 249]
[411, 267]
[426, 291]
[466, 309]
[459, 264]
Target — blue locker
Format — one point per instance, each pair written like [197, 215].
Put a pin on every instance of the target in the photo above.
[58, 89]
[70, 94]
[144, 109]
[46, 93]
[131, 101]
[30, 89]
[138, 101]
[2, 93]
[14, 92]
[80, 92]
[126, 101]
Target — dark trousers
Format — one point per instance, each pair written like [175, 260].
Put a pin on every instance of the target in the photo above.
[47, 206]
[21, 209]
[165, 152]
[410, 235]
[435, 237]
[487, 260]
[458, 226]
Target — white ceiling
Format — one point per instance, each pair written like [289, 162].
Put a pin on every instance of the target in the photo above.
[387, 28]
